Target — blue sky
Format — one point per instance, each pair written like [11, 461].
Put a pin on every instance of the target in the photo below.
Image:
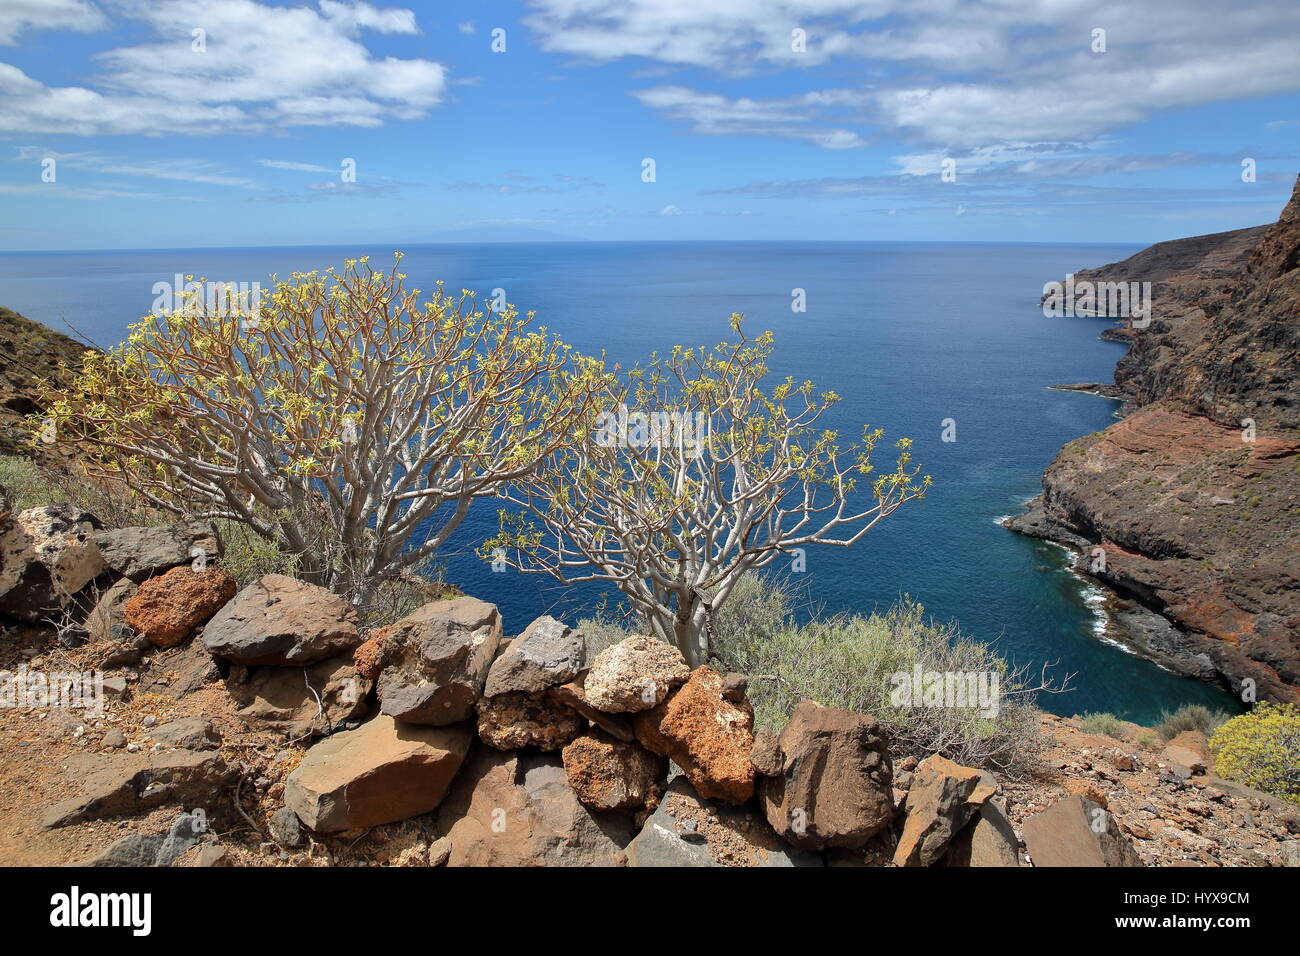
[238, 134]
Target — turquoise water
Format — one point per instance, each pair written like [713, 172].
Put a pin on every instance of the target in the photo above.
[908, 334]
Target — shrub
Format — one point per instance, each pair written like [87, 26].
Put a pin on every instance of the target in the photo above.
[1106, 724]
[29, 484]
[342, 418]
[1189, 717]
[1262, 750]
[850, 662]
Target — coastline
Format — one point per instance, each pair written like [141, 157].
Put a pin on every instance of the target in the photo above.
[1183, 511]
[1127, 623]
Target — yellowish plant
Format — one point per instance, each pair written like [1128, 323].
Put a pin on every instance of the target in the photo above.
[342, 417]
[687, 474]
[1261, 749]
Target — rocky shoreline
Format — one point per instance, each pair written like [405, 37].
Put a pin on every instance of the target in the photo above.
[1186, 508]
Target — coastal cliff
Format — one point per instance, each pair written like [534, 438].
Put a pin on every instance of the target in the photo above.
[1188, 507]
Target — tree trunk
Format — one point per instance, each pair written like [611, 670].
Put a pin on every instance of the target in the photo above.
[686, 635]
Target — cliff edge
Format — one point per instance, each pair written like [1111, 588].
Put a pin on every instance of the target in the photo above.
[1189, 505]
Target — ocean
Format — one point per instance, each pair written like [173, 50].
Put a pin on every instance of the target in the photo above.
[911, 335]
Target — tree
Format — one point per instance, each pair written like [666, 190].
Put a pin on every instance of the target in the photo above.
[685, 477]
[341, 418]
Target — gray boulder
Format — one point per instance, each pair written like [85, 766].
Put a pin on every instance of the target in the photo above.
[1077, 832]
[313, 700]
[436, 660]
[155, 849]
[546, 655]
[47, 555]
[687, 830]
[516, 808]
[989, 840]
[280, 620]
[138, 553]
[104, 621]
[123, 784]
[186, 733]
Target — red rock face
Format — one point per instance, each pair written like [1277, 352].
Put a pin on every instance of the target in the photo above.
[169, 607]
[1195, 495]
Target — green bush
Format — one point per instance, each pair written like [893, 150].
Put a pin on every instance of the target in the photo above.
[851, 662]
[1106, 724]
[1189, 717]
[29, 485]
[1262, 750]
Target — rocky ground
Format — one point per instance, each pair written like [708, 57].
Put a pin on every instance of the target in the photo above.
[261, 726]
[1193, 497]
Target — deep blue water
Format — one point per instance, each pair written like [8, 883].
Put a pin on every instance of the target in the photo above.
[907, 334]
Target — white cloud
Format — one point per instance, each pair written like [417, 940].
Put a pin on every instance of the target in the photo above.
[59, 191]
[950, 75]
[19, 15]
[712, 114]
[262, 67]
[295, 166]
[670, 210]
[181, 170]
[204, 171]
[467, 27]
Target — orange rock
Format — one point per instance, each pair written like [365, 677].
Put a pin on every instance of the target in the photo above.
[1082, 788]
[611, 774]
[381, 772]
[169, 607]
[369, 656]
[706, 735]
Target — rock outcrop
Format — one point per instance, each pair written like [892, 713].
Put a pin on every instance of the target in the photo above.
[1191, 498]
[31, 353]
[300, 702]
[634, 675]
[546, 655]
[517, 809]
[139, 553]
[47, 555]
[943, 798]
[688, 831]
[1077, 832]
[611, 774]
[705, 734]
[835, 786]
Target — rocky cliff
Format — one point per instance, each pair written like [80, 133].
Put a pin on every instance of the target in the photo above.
[28, 352]
[1188, 506]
